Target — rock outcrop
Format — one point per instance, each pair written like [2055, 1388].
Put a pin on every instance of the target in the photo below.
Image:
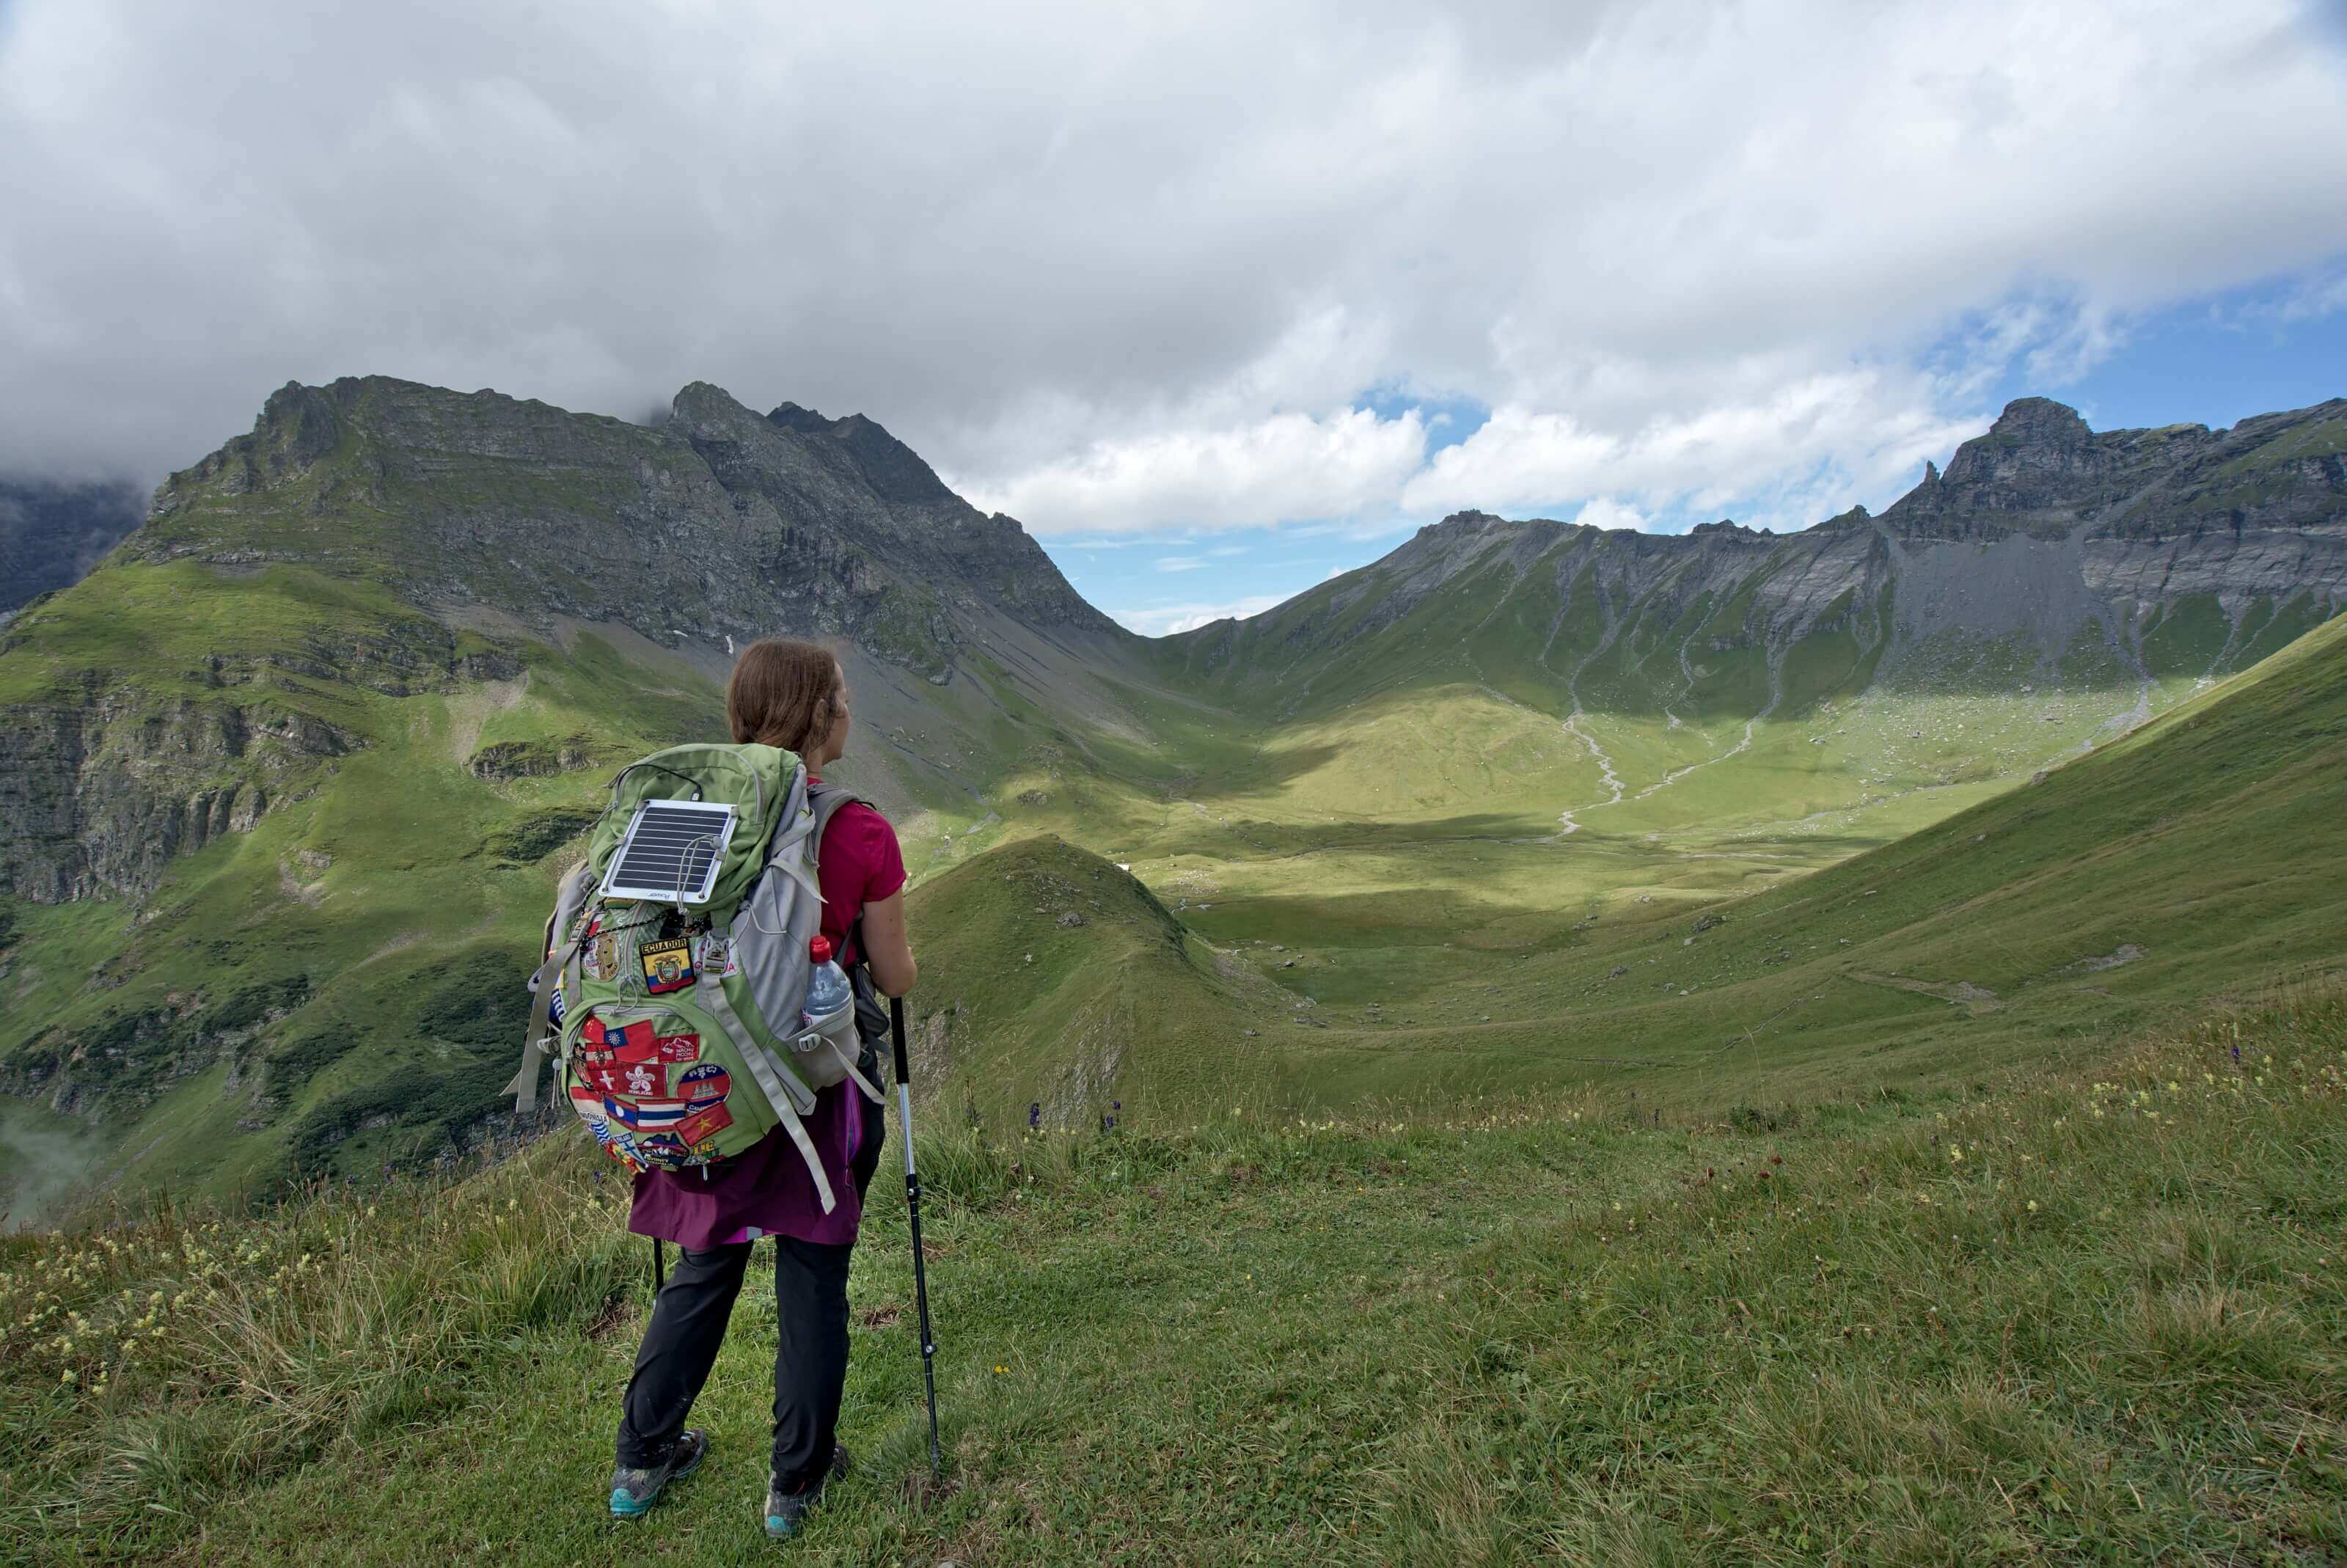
[696, 529]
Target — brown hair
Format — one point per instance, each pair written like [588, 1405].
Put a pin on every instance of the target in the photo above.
[785, 692]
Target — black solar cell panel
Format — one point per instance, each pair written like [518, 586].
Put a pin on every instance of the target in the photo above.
[671, 851]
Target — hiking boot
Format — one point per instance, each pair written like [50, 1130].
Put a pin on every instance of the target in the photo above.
[785, 1509]
[635, 1490]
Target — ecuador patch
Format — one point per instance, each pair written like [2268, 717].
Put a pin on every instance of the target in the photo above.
[668, 966]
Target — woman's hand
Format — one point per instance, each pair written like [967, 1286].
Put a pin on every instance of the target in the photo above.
[887, 952]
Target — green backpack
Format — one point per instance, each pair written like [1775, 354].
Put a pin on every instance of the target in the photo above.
[672, 994]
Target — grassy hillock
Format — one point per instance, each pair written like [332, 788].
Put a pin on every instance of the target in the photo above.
[1053, 981]
[2090, 1309]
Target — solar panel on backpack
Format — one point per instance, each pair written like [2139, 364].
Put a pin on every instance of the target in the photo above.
[672, 852]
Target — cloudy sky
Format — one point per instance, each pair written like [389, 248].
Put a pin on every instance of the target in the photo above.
[1216, 298]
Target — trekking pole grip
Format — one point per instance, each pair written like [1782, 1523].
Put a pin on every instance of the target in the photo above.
[897, 1029]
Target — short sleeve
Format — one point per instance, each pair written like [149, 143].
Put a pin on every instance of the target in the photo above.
[878, 848]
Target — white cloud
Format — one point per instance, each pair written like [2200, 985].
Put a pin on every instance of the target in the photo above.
[1179, 563]
[1604, 512]
[1128, 271]
[1866, 430]
[1166, 620]
[1276, 469]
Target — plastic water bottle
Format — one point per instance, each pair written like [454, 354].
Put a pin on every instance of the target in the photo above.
[830, 1001]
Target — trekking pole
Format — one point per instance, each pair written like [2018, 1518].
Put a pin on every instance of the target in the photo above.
[913, 1207]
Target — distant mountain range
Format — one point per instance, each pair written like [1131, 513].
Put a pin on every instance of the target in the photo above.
[281, 781]
[52, 534]
[2129, 554]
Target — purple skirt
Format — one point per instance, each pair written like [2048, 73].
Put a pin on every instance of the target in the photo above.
[765, 1190]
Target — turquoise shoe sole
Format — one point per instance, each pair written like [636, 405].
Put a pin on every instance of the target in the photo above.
[630, 1504]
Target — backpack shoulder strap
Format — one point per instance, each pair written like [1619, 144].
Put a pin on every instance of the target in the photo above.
[826, 799]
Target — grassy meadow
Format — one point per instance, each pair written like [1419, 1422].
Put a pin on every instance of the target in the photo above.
[2088, 1307]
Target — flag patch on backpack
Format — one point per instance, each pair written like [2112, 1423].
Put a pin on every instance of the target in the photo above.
[668, 966]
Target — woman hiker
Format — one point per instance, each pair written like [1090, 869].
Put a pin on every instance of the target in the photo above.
[789, 693]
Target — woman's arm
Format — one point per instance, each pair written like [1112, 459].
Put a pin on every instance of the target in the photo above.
[887, 950]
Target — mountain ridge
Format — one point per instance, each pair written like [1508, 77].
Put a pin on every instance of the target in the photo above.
[282, 781]
[2088, 537]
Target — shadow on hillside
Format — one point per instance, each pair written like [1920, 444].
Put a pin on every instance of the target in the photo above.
[1424, 919]
[1257, 841]
[1267, 770]
[1215, 836]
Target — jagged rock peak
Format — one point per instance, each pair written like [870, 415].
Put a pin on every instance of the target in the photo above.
[891, 468]
[1459, 521]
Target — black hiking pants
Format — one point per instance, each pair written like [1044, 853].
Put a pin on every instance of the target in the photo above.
[689, 1318]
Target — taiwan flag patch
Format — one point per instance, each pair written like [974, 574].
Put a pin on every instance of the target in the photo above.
[636, 1042]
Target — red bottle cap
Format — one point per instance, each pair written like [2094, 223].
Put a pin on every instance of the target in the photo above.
[819, 950]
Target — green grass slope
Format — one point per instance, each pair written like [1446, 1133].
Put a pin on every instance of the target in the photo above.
[335, 987]
[1053, 981]
[2089, 1310]
[2195, 858]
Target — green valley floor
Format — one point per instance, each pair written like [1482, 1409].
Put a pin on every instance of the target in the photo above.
[2091, 1307]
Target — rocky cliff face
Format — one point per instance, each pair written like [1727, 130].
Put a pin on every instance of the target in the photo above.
[720, 524]
[698, 527]
[2042, 534]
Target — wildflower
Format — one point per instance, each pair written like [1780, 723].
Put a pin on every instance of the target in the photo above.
[2033, 1205]
[68, 1377]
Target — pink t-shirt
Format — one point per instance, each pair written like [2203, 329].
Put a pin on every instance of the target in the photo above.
[765, 1190]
